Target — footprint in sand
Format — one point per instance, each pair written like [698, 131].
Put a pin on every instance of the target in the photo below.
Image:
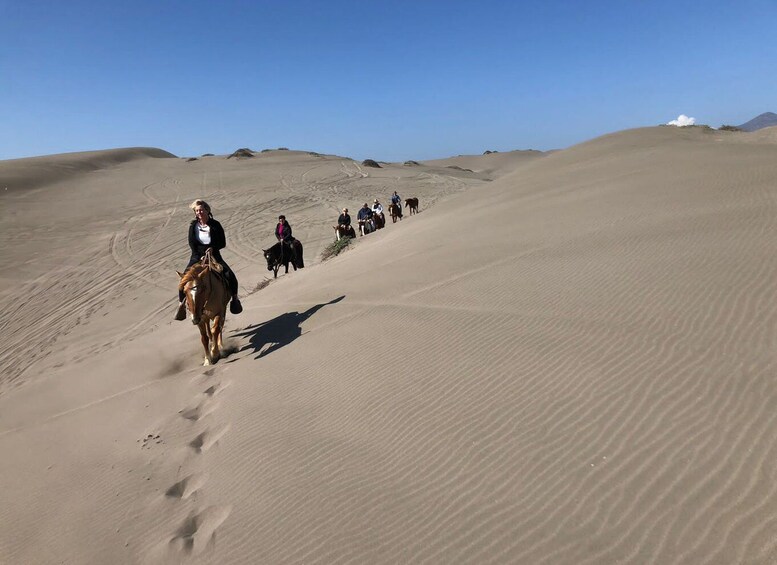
[206, 439]
[200, 410]
[185, 488]
[199, 529]
[215, 389]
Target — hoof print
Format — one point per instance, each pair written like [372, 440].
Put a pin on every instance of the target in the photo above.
[198, 530]
[185, 488]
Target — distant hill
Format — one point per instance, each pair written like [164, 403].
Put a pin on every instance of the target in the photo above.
[765, 120]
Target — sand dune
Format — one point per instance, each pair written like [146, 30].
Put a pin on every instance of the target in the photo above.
[571, 363]
[37, 172]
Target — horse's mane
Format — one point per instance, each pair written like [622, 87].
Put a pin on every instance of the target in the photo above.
[193, 273]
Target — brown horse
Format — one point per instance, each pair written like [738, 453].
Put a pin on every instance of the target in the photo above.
[343, 231]
[412, 203]
[379, 220]
[395, 211]
[207, 295]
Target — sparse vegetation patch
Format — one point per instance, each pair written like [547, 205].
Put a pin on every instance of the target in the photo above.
[335, 248]
[371, 163]
[241, 153]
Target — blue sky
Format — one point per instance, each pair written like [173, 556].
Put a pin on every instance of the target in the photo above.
[384, 80]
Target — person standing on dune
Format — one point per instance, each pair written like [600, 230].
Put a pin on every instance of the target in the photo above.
[206, 233]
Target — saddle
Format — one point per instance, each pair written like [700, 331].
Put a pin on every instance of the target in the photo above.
[215, 267]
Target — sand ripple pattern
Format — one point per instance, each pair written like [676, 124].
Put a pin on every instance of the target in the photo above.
[605, 397]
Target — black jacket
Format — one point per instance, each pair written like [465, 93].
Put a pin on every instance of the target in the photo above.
[218, 240]
[344, 220]
[286, 231]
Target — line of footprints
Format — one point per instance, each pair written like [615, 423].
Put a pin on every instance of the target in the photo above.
[199, 528]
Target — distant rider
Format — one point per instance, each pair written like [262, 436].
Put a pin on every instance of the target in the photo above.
[344, 221]
[397, 199]
[283, 234]
[364, 215]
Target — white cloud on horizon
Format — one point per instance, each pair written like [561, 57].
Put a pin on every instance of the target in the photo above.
[682, 121]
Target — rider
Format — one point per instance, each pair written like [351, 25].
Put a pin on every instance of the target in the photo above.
[377, 211]
[397, 199]
[365, 213]
[344, 220]
[283, 234]
[206, 233]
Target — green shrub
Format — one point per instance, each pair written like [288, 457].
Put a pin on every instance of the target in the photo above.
[729, 128]
[335, 248]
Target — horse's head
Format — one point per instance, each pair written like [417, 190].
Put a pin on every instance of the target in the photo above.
[196, 286]
[268, 254]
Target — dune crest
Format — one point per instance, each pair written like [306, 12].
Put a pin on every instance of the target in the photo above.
[37, 172]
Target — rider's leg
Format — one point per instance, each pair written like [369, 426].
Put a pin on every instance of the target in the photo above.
[234, 306]
[180, 313]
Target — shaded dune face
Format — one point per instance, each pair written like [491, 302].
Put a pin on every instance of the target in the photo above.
[571, 362]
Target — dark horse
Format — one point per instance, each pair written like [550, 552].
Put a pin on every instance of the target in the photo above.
[281, 254]
[395, 211]
[412, 203]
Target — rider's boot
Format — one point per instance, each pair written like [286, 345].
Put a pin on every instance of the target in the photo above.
[181, 313]
[235, 307]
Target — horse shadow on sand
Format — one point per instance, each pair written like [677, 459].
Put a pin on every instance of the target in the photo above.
[279, 332]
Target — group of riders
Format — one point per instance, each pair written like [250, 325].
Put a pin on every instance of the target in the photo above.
[369, 219]
[207, 234]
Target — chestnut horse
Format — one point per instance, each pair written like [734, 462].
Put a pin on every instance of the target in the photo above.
[412, 203]
[395, 211]
[207, 295]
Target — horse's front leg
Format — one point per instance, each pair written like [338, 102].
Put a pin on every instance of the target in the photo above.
[215, 341]
[275, 270]
[205, 339]
[286, 265]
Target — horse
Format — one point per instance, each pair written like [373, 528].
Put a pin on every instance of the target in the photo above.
[379, 220]
[280, 254]
[366, 226]
[343, 231]
[207, 295]
[395, 211]
[412, 203]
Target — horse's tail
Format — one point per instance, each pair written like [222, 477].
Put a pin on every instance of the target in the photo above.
[298, 250]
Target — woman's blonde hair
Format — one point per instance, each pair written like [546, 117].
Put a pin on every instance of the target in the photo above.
[202, 203]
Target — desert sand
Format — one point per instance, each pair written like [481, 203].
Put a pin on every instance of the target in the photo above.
[564, 358]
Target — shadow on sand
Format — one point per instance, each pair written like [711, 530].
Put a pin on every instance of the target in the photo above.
[280, 331]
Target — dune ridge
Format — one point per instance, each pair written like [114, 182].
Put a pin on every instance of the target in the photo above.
[38, 172]
[572, 363]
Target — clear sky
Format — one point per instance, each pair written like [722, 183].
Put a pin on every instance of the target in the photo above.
[391, 80]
